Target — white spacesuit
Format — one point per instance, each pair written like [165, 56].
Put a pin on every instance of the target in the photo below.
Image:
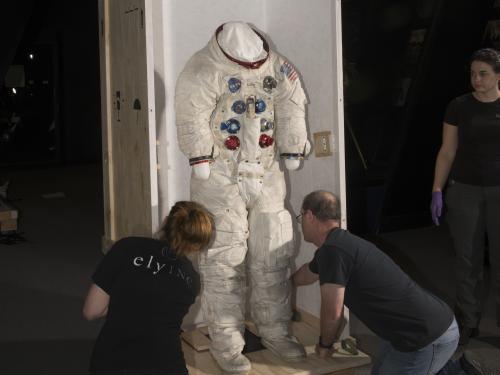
[240, 108]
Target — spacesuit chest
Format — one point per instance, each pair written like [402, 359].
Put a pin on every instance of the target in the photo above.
[243, 122]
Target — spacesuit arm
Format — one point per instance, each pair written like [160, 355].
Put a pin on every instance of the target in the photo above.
[195, 100]
[291, 132]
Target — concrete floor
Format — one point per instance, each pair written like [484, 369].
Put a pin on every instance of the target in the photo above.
[43, 280]
[427, 255]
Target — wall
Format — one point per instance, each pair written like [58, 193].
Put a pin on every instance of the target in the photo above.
[298, 30]
[312, 49]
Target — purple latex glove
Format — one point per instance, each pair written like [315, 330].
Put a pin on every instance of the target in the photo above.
[436, 206]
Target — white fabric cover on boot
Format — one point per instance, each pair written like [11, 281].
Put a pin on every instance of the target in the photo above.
[235, 363]
[287, 348]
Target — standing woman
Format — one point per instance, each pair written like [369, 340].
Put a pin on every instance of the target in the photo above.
[144, 287]
[471, 151]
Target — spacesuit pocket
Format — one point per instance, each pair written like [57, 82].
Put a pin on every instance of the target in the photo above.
[299, 97]
[229, 246]
[250, 177]
[223, 304]
[286, 248]
[274, 244]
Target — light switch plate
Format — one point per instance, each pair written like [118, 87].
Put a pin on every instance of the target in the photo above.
[322, 144]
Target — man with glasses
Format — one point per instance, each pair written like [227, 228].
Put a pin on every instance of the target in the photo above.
[418, 330]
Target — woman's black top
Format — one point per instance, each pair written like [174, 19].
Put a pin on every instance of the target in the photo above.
[151, 290]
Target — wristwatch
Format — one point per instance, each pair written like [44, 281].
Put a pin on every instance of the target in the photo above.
[321, 345]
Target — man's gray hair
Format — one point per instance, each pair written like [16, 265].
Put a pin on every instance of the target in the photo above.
[323, 204]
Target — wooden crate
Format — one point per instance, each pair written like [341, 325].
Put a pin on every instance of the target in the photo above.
[8, 225]
[8, 216]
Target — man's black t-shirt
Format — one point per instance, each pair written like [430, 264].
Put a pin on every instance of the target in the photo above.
[150, 291]
[477, 161]
[379, 293]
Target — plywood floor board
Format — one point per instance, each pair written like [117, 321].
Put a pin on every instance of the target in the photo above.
[265, 362]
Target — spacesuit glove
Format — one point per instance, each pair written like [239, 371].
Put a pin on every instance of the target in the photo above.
[436, 206]
[292, 164]
[201, 171]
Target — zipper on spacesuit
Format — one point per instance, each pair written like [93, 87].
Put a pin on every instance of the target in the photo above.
[250, 100]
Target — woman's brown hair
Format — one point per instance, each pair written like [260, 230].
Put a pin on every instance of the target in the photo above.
[188, 228]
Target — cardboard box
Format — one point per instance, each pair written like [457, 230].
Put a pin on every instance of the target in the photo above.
[8, 216]
[8, 225]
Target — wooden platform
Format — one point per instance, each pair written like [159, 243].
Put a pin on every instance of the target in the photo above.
[8, 216]
[200, 362]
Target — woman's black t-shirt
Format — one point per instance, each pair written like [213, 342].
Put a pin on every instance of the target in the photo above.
[477, 161]
[150, 291]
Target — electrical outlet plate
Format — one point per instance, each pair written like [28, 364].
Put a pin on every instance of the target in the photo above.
[322, 146]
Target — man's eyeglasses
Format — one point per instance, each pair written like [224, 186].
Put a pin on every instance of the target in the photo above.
[299, 218]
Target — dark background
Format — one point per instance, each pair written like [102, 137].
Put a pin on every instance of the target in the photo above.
[392, 139]
[55, 117]
[50, 142]
[392, 135]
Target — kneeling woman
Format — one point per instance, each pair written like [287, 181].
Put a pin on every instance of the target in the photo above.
[144, 287]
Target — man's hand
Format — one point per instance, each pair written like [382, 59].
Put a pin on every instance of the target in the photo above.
[323, 352]
[303, 276]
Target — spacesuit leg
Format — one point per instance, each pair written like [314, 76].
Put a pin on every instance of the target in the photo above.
[223, 307]
[271, 247]
[223, 271]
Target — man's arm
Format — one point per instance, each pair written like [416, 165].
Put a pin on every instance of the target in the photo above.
[332, 316]
[446, 156]
[96, 303]
[304, 276]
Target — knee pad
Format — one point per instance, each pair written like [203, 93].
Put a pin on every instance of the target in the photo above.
[223, 301]
[271, 242]
[229, 246]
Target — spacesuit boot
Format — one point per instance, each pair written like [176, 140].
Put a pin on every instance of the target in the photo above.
[287, 347]
[223, 305]
[271, 313]
[232, 363]
[270, 250]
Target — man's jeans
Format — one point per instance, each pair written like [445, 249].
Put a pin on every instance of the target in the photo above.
[426, 361]
[452, 368]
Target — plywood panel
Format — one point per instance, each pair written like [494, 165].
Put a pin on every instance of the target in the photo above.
[264, 362]
[197, 340]
[130, 134]
[107, 177]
